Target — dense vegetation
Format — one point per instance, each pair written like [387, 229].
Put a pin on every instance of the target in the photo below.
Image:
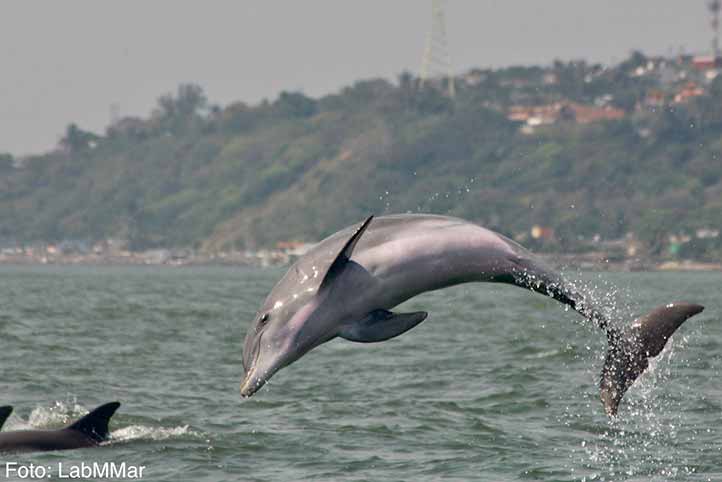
[298, 168]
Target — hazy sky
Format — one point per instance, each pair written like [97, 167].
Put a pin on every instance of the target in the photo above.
[63, 62]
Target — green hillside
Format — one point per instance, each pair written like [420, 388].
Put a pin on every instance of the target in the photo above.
[297, 168]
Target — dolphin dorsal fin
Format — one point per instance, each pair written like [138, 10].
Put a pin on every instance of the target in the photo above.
[4, 414]
[95, 424]
[345, 254]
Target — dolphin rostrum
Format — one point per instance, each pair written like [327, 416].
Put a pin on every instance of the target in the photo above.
[4, 414]
[89, 431]
[346, 285]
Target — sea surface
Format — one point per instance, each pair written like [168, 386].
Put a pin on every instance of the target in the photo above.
[497, 384]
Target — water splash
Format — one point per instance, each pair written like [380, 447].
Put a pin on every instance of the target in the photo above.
[642, 443]
[142, 432]
[59, 414]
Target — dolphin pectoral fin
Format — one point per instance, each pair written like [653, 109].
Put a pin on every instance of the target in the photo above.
[344, 255]
[629, 355]
[4, 414]
[381, 325]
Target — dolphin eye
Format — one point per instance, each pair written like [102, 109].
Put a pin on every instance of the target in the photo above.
[263, 319]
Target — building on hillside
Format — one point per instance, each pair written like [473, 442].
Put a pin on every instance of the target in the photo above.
[542, 233]
[707, 233]
[709, 65]
[585, 114]
[706, 62]
[474, 77]
[550, 78]
[535, 116]
[655, 98]
[689, 91]
[604, 100]
[294, 248]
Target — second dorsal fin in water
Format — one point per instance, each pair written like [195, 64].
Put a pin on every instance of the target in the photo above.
[4, 414]
[95, 424]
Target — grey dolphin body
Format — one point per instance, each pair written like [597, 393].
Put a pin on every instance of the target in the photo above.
[346, 285]
[89, 431]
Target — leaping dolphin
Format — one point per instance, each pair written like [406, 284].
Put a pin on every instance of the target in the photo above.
[346, 285]
[89, 431]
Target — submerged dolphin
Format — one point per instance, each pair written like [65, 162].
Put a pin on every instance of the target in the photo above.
[89, 431]
[4, 414]
[346, 284]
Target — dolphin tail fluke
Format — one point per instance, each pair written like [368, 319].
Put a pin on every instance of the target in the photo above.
[95, 424]
[4, 414]
[629, 353]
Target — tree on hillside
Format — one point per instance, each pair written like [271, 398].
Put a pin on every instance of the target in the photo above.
[6, 161]
[238, 117]
[76, 139]
[188, 102]
[636, 59]
[571, 78]
[707, 109]
[406, 81]
[187, 175]
[430, 100]
[176, 114]
[294, 104]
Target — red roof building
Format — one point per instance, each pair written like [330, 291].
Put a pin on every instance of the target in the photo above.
[551, 113]
[687, 92]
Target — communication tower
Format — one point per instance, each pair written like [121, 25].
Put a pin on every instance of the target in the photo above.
[714, 9]
[436, 62]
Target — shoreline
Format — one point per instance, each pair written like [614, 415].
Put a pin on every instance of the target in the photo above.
[278, 259]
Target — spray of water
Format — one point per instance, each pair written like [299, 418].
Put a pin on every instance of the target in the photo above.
[638, 444]
[142, 432]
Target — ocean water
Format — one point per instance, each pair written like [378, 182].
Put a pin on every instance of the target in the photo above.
[497, 384]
